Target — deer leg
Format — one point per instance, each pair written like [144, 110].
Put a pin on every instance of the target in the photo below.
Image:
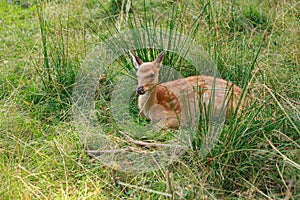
[168, 123]
[163, 118]
[157, 113]
[172, 122]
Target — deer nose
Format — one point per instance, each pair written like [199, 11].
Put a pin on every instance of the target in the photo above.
[140, 90]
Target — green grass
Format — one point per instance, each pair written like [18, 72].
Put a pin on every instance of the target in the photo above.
[43, 44]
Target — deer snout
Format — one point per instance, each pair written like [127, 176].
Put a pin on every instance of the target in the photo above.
[140, 90]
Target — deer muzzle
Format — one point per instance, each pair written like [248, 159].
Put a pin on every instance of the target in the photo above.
[140, 90]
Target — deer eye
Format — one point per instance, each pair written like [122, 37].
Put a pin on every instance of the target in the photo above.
[152, 75]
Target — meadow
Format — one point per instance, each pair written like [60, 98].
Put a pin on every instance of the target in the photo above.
[43, 47]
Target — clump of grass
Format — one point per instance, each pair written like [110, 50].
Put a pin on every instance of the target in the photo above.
[256, 18]
[58, 69]
[249, 18]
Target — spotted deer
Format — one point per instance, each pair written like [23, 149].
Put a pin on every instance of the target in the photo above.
[171, 103]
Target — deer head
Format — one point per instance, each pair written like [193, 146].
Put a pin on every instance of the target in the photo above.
[147, 73]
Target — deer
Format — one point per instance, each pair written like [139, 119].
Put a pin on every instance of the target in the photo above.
[166, 103]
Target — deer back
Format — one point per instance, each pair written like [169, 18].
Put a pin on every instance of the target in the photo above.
[184, 96]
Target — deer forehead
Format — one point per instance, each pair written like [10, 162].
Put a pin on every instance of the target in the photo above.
[146, 69]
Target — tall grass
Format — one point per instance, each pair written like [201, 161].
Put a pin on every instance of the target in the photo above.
[58, 69]
[256, 47]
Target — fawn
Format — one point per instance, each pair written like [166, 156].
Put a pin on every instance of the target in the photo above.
[171, 103]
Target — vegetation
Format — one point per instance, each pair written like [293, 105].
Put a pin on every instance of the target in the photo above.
[43, 45]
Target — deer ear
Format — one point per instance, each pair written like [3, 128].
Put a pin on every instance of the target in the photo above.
[159, 59]
[136, 61]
